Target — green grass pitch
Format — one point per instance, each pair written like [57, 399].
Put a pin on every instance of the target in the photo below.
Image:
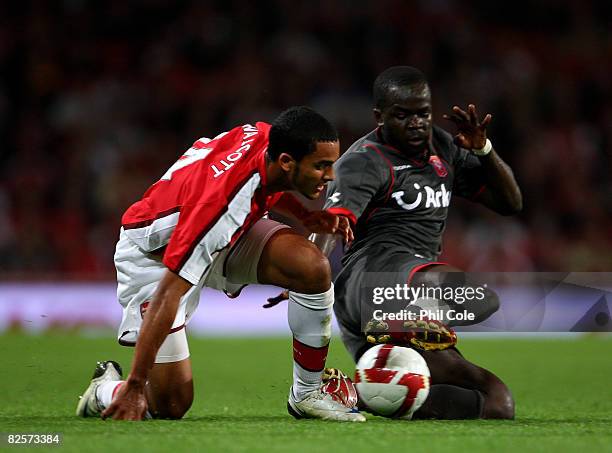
[563, 390]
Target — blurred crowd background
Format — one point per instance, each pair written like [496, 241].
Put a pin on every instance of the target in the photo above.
[97, 100]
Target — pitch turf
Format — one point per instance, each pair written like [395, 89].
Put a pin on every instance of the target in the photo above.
[563, 390]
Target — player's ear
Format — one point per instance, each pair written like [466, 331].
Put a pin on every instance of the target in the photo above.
[378, 116]
[286, 161]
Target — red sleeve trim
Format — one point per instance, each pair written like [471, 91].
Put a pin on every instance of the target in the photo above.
[391, 172]
[345, 212]
[420, 267]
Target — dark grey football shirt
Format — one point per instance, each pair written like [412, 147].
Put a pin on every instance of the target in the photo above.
[401, 202]
[399, 207]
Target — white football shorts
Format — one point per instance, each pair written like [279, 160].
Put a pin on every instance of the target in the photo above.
[138, 274]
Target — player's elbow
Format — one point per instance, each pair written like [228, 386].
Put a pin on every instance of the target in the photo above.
[516, 206]
[513, 204]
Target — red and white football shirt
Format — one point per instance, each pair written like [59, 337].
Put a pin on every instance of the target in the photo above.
[205, 201]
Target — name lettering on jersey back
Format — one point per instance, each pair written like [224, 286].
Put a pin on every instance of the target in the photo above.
[233, 156]
[434, 198]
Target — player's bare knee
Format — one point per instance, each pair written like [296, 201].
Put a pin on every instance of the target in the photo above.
[315, 272]
[318, 279]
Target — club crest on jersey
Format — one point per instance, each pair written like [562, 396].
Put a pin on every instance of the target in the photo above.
[434, 198]
[441, 170]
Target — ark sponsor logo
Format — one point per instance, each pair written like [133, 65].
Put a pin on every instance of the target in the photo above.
[433, 198]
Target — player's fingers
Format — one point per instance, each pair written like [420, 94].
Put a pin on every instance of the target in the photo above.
[351, 235]
[472, 113]
[122, 413]
[461, 113]
[335, 223]
[108, 412]
[348, 230]
[131, 414]
[487, 120]
[458, 120]
[273, 301]
[344, 228]
[454, 118]
[128, 416]
[347, 236]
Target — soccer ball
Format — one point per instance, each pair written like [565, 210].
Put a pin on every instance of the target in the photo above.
[392, 381]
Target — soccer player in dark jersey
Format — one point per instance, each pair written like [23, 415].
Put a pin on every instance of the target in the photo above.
[395, 186]
[201, 225]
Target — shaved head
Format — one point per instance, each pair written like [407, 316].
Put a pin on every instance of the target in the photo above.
[399, 81]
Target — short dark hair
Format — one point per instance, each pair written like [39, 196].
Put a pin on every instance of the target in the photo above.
[296, 132]
[395, 76]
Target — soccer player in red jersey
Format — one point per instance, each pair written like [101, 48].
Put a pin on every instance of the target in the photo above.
[202, 224]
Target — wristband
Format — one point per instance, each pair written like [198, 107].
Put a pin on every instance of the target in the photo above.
[486, 149]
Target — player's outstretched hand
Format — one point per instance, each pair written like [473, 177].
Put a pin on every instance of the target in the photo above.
[472, 133]
[324, 222]
[129, 404]
[273, 301]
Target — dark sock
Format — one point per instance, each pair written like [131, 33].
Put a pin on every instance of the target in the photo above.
[449, 402]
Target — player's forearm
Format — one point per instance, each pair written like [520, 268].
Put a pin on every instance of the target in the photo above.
[156, 326]
[500, 180]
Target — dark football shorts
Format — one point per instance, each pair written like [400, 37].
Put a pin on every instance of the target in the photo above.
[371, 280]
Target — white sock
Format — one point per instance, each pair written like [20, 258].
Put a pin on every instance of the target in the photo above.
[106, 391]
[310, 322]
